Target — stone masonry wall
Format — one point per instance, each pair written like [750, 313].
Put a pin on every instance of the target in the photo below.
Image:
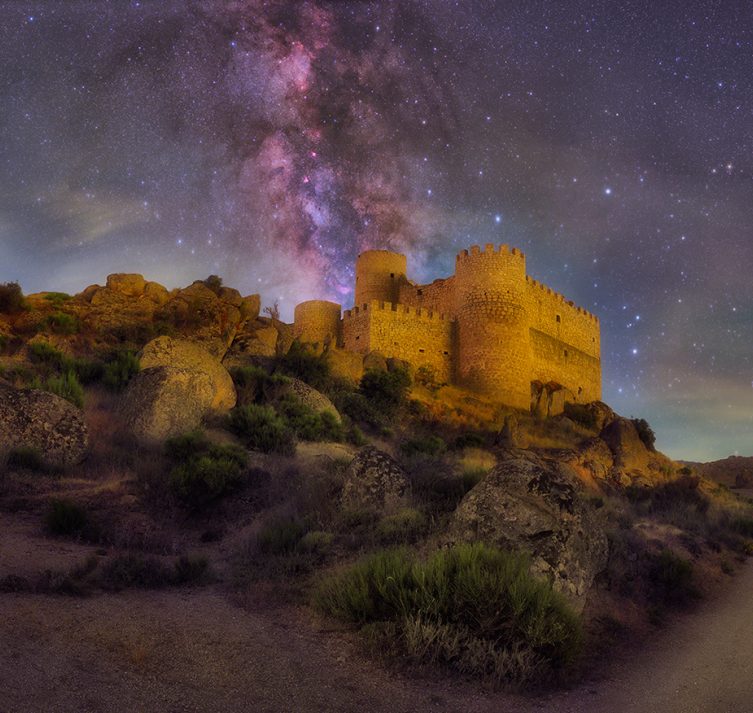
[317, 321]
[418, 336]
[439, 296]
[556, 361]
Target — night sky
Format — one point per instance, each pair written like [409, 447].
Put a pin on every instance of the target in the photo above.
[270, 142]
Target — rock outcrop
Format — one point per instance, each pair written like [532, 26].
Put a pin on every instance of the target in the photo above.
[44, 422]
[182, 354]
[528, 503]
[375, 482]
[549, 399]
[312, 398]
[165, 401]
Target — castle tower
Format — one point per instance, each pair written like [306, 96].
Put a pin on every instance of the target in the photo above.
[494, 351]
[378, 276]
[317, 322]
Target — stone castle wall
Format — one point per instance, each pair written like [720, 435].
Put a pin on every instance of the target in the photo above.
[489, 327]
[317, 322]
[419, 336]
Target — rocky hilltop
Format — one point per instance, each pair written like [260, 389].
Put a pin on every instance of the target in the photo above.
[147, 425]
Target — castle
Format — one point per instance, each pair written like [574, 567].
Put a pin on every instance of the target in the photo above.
[489, 327]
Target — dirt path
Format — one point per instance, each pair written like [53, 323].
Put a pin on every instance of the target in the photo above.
[195, 651]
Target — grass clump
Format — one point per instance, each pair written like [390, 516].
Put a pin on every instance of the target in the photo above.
[26, 458]
[403, 527]
[131, 570]
[470, 608]
[423, 446]
[62, 323]
[256, 386]
[281, 536]
[671, 577]
[66, 386]
[64, 517]
[262, 429]
[204, 472]
[305, 365]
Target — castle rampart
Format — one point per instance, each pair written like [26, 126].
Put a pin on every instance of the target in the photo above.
[489, 327]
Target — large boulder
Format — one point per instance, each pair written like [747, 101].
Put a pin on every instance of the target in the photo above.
[126, 284]
[375, 482]
[312, 398]
[629, 451]
[165, 401]
[549, 399]
[528, 503]
[182, 354]
[54, 427]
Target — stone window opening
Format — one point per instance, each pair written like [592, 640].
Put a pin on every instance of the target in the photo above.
[446, 353]
[420, 293]
[422, 351]
[392, 275]
[357, 337]
[559, 319]
[565, 352]
[580, 390]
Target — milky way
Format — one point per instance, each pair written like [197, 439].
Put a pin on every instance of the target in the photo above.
[270, 142]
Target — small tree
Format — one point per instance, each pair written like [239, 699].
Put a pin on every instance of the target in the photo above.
[214, 283]
[11, 298]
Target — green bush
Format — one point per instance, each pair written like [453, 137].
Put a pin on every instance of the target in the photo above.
[26, 458]
[386, 390]
[426, 376]
[11, 298]
[131, 570]
[672, 578]
[403, 527]
[471, 608]
[181, 448]
[254, 385]
[65, 517]
[281, 536]
[214, 283]
[120, 370]
[207, 474]
[305, 365]
[88, 371]
[261, 428]
[62, 323]
[45, 353]
[57, 298]
[67, 386]
[423, 445]
[742, 526]
[309, 424]
[470, 439]
[358, 408]
[645, 433]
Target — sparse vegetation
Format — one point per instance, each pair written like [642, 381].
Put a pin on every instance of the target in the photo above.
[203, 472]
[26, 458]
[261, 428]
[11, 298]
[308, 424]
[61, 323]
[120, 370]
[471, 608]
[64, 517]
[257, 386]
[214, 283]
[66, 386]
[305, 365]
[386, 390]
[645, 433]
[137, 571]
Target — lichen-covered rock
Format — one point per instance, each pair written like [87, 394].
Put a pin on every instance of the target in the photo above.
[629, 451]
[126, 284]
[164, 401]
[250, 307]
[182, 354]
[374, 481]
[312, 398]
[528, 503]
[35, 419]
[594, 464]
[156, 293]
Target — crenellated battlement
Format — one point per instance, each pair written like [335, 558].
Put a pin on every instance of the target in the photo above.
[419, 313]
[489, 327]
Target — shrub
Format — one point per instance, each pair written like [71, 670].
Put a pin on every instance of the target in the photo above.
[403, 527]
[181, 448]
[132, 570]
[645, 433]
[672, 578]
[261, 429]
[385, 389]
[65, 517]
[254, 385]
[66, 386]
[307, 423]
[57, 298]
[11, 298]
[469, 439]
[45, 353]
[742, 526]
[62, 323]
[26, 458]
[281, 536]
[120, 370]
[470, 608]
[426, 376]
[88, 371]
[425, 445]
[208, 474]
[214, 283]
[360, 409]
[188, 570]
[307, 366]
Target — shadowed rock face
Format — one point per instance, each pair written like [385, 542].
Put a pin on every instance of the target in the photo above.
[312, 398]
[181, 354]
[375, 482]
[531, 504]
[164, 401]
[45, 422]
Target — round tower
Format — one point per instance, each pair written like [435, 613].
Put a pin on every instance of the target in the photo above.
[378, 276]
[494, 352]
[317, 322]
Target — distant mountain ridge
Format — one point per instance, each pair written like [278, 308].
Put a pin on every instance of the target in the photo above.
[734, 471]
